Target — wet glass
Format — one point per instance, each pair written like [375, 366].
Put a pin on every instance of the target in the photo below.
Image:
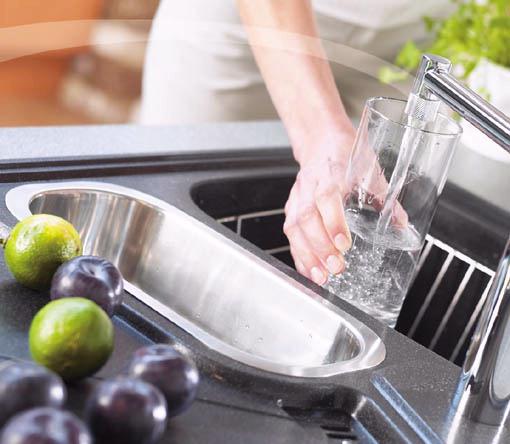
[397, 170]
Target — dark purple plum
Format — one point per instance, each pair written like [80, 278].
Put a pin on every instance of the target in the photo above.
[24, 386]
[126, 410]
[89, 277]
[45, 425]
[170, 371]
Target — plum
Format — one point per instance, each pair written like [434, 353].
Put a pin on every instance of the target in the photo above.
[170, 371]
[24, 385]
[89, 277]
[45, 425]
[126, 410]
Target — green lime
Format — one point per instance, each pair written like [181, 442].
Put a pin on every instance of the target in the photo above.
[37, 246]
[71, 336]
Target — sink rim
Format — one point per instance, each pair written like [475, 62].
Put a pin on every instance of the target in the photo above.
[372, 350]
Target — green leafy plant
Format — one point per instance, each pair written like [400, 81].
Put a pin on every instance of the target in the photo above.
[474, 32]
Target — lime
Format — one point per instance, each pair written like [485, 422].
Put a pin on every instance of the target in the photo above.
[71, 336]
[37, 246]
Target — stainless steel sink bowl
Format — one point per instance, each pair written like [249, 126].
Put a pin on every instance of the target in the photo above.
[454, 274]
[228, 298]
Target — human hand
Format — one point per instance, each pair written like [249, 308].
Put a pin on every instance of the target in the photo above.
[315, 221]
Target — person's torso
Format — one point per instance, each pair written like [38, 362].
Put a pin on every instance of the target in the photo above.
[381, 14]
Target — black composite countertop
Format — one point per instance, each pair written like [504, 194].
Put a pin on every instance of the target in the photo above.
[407, 397]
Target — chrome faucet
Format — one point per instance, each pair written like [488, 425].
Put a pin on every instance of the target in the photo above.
[483, 392]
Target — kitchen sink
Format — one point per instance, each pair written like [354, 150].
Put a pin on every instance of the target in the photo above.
[207, 268]
[455, 268]
[228, 298]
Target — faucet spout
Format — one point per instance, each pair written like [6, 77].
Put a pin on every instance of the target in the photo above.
[434, 81]
[483, 392]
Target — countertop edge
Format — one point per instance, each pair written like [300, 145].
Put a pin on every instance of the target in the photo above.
[480, 175]
[109, 140]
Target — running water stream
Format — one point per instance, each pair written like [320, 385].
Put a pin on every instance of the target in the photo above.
[384, 254]
[411, 140]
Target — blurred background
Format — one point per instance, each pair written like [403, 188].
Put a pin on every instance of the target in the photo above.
[82, 85]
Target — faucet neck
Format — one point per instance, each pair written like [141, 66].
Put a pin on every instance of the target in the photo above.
[483, 393]
[434, 82]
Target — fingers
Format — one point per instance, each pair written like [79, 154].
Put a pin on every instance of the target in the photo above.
[369, 175]
[312, 244]
[311, 221]
[312, 229]
[399, 217]
[307, 263]
[329, 202]
[299, 265]
[378, 190]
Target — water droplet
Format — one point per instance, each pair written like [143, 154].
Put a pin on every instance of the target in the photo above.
[247, 326]
[260, 339]
[279, 403]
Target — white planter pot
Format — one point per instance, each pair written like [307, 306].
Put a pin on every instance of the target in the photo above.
[494, 80]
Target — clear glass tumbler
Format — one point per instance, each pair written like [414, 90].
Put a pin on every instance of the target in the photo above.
[395, 176]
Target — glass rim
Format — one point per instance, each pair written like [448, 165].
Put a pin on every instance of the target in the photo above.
[369, 104]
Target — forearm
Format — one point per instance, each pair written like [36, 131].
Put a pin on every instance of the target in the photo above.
[296, 71]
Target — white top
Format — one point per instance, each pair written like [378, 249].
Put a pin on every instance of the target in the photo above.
[199, 66]
[381, 14]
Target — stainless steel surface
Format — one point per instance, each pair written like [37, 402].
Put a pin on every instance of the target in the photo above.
[484, 390]
[434, 77]
[228, 298]
[470, 106]
[422, 105]
[431, 242]
[466, 288]
[429, 62]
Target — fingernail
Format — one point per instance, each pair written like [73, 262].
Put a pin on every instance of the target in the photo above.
[342, 243]
[334, 264]
[318, 276]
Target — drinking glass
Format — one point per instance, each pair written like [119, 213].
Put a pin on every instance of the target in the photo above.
[396, 173]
